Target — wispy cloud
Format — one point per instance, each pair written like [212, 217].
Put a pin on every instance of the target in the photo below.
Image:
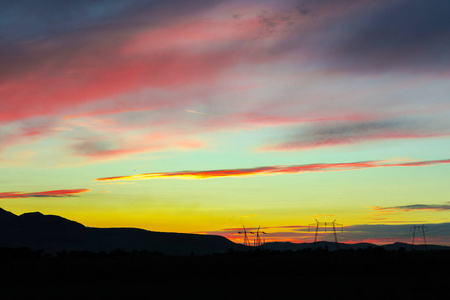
[112, 57]
[84, 64]
[412, 207]
[196, 112]
[96, 64]
[274, 170]
[328, 134]
[106, 112]
[55, 193]
[105, 147]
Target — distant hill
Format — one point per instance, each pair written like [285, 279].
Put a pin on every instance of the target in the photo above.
[331, 246]
[286, 246]
[54, 233]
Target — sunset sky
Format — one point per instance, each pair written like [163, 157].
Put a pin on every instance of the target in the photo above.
[204, 116]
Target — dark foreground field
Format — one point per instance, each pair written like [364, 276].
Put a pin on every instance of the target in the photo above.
[319, 274]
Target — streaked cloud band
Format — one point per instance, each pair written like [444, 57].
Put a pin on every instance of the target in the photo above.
[274, 170]
[55, 193]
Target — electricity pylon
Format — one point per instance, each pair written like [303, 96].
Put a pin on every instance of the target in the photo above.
[246, 240]
[422, 228]
[258, 242]
[324, 225]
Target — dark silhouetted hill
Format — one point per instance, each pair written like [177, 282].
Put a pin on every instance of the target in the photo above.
[331, 246]
[53, 233]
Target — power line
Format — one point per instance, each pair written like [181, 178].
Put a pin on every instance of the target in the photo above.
[324, 225]
[422, 228]
[246, 240]
[258, 242]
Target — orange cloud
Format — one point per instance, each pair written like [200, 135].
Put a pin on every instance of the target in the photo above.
[273, 170]
[55, 193]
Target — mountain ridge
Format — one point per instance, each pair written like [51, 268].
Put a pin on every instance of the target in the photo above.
[331, 246]
[54, 233]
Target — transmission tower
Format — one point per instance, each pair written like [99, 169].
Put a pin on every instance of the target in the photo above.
[258, 242]
[246, 240]
[324, 225]
[418, 228]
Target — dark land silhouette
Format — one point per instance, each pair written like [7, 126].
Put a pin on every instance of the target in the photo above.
[49, 257]
[53, 233]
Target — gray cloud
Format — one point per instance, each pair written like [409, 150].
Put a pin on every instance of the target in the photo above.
[50, 32]
[373, 35]
[93, 146]
[27, 20]
[346, 133]
[436, 207]
[395, 35]
[434, 232]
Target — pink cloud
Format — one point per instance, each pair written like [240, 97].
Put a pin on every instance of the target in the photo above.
[259, 118]
[69, 76]
[25, 132]
[200, 59]
[45, 94]
[55, 193]
[272, 236]
[55, 75]
[104, 147]
[105, 112]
